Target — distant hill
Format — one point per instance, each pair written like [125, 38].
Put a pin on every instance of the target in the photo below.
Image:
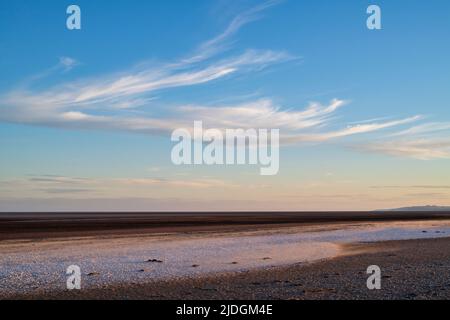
[419, 209]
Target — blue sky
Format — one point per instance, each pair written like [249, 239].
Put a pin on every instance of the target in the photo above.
[86, 115]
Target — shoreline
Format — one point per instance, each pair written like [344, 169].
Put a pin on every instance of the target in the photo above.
[38, 226]
[36, 269]
[411, 269]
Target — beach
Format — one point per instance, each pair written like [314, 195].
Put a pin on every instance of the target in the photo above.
[412, 270]
[300, 258]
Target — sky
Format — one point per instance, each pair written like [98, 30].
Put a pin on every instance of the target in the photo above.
[86, 115]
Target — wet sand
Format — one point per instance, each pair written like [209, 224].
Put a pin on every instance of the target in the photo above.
[269, 261]
[73, 224]
[411, 269]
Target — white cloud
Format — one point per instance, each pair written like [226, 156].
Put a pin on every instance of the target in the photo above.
[75, 116]
[114, 93]
[351, 130]
[296, 125]
[426, 128]
[67, 63]
[219, 43]
[426, 141]
[132, 89]
[103, 102]
[51, 185]
[262, 113]
[421, 149]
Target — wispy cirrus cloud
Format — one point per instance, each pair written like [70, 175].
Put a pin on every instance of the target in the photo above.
[416, 148]
[64, 101]
[299, 125]
[350, 130]
[114, 92]
[67, 63]
[66, 185]
[424, 129]
[221, 42]
[103, 102]
[425, 141]
[262, 113]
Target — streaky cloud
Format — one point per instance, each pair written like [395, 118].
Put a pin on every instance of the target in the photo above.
[420, 149]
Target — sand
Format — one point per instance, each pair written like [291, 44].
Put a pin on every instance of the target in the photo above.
[411, 269]
[309, 261]
[72, 224]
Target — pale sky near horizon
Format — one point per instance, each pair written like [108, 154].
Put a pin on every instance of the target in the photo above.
[86, 115]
